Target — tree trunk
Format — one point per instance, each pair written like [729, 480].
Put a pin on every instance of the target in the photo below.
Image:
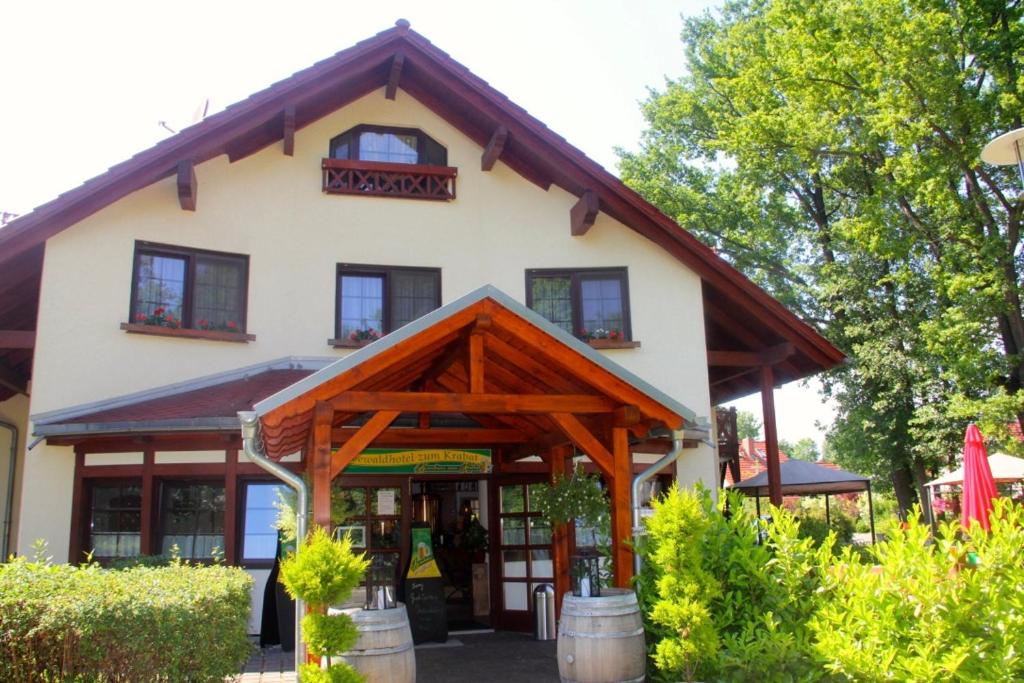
[903, 487]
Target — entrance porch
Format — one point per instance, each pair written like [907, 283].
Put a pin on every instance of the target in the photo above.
[485, 373]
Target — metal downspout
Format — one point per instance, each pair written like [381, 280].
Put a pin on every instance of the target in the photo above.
[638, 480]
[9, 498]
[252, 445]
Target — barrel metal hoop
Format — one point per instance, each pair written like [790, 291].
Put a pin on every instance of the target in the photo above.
[609, 635]
[600, 613]
[631, 680]
[376, 651]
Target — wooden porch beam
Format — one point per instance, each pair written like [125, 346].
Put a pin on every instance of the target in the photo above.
[323, 417]
[771, 435]
[584, 213]
[395, 75]
[289, 130]
[437, 436]
[17, 339]
[188, 187]
[476, 363]
[495, 146]
[586, 442]
[363, 437]
[622, 519]
[537, 404]
[558, 458]
[741, 359]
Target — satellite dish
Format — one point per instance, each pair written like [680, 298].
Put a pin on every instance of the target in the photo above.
[201, 110]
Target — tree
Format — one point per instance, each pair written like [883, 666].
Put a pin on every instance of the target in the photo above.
[804, 449]
[830, 151]
[747, 425]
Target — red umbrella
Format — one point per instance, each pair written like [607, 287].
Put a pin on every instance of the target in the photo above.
[979, 487]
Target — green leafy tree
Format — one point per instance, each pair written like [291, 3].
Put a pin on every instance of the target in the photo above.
[324, 573]
[805, 449]
[830, 151]
[747, 425]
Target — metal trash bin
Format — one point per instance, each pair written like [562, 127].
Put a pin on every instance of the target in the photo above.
[544, 612]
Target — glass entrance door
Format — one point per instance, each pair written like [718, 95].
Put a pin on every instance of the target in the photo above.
[524, 553]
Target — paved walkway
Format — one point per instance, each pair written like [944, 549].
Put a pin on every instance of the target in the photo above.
[466, 658]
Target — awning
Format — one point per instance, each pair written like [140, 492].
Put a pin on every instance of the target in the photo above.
[800, 477]
[1005, 469]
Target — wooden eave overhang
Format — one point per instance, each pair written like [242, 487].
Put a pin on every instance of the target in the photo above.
[483, 114]
[510, 372]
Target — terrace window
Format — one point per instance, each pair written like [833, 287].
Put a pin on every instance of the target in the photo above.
[259, 532]
[192, 518]
[115, 519]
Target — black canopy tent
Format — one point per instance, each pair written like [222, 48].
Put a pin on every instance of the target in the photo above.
[802, 478]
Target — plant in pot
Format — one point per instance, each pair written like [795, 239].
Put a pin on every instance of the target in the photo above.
[576, 497]
[323, 572]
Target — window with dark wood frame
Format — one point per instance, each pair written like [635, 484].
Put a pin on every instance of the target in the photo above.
[356, 512]
[588, 302]
[524, 551]
[192, 517]
[389, 144]
[374, 300]
[189, 288]
[114, 526]
[257, 536]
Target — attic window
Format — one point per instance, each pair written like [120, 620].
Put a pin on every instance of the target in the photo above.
[389, 145]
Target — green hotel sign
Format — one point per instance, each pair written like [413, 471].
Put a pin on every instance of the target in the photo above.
[421, 461]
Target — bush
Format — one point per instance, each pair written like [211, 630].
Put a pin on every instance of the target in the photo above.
[923, 612]
[89, 624]
[719, 606]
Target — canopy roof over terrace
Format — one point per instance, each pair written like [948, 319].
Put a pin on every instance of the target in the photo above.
[517, 383]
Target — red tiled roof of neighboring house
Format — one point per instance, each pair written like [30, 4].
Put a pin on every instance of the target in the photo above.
[753, 457]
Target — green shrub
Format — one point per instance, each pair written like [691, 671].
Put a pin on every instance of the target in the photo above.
[717, 605]
[324, 572]
[923, 613]
[174, 623]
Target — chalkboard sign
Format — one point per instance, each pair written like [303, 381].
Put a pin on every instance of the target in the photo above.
[424, 590]
[428, 618]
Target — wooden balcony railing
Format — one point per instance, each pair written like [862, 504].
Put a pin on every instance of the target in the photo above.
[376, 178]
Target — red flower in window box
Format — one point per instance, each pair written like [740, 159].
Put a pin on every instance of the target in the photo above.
[232, 325]
[158, 311]
[364, 334]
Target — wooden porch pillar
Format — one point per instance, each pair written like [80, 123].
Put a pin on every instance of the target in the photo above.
[771, 436]
[323, 416]
[622, 519]
[558, 457]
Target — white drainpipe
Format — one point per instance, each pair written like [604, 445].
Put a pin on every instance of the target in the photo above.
[252, 445]
[638, 480]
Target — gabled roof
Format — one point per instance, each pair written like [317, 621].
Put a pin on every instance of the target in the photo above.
[738, 314]
[522, 353]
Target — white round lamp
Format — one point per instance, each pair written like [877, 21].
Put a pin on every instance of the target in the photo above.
[1006, 150]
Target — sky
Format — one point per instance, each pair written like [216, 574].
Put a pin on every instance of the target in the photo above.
[84, 85]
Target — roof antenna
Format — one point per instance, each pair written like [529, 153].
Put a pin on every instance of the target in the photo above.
[198, 115]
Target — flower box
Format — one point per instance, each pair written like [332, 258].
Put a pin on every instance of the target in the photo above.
[613, 344]
[349, 343]
[187, 333]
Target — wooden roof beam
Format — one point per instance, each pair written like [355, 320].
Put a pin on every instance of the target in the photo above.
[289, 130]
[437, 436]
[188, 186]
[17, 339]
[584, 213]
[394, 75]
[537, 404]
[495, 146]
[363, 437]
[10, 379]
[743, 359]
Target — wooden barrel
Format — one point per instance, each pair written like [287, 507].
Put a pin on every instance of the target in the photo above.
[601, 640]
[384, 651]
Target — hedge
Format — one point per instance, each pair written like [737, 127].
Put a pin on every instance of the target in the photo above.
[88, 624]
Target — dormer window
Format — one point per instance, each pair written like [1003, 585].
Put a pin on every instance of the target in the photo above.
[381, 161]
[389, 145]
